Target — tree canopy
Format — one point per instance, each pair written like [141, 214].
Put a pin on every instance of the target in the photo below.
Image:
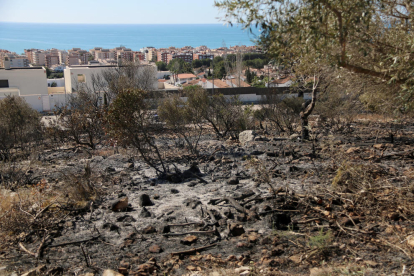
[370, 38]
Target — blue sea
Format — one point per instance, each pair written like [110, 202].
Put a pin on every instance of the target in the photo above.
[16, 37]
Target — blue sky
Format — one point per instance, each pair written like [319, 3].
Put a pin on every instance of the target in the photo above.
[110, 11]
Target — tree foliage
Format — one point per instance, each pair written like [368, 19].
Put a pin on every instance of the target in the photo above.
[183, 119]
[83, 119]
[161, 66]
[372, 38]
[132, 123]
[19, 125]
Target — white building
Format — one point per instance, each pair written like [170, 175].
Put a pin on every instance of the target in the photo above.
[30, 83]
[23, 81]
[183, 78]
[15, 61]
[63, 55]
[83, 75]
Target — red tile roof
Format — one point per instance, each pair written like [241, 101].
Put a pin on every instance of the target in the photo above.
[186, 76]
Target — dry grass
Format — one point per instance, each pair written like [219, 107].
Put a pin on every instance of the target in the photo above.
[38, 208]
[27, 210]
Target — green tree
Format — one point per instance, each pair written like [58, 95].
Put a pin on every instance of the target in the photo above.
[371, 38]
[161, 66]
[48, 71]
[179, 66]
[197, 63]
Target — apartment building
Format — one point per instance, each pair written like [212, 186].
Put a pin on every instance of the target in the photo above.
[187, 57]
[29, 54]
[63, 57]
[93, 51]
[39, 58]
[202, 56]
[150, 53]
[164, 56]
[16, 61]
[125, 54]
[139, 56]
[104, 54]
[52, 58]
[77, 56]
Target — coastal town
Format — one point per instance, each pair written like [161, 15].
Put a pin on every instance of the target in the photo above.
[54, 73]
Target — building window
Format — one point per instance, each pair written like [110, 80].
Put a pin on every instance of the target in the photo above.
[81, 78]
[4, 83]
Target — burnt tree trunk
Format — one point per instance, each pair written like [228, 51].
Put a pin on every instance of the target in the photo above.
[307, 110]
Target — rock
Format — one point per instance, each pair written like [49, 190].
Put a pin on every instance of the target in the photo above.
[109, 272]
[233, 180]
[294, 136]
[174, 191]
[163, 229]
[371, 263]
[145, 213]
[348, 222]
[296, 259]
[353, 149]
[149, 230]
[35, 271]
[173, 177]
[146, 268]
[192, 203]
[316, 271]
[378, 146]
[410, 242]
[192, 268]
[389, 230]
[242, 269]
[245, 273]
[247, 136]
[191, 172]
[277, 251]
[144, 200]
[126, 218]
[110, 226]
[155, 249]
[236, 229]
[120, 205]
[189, 240]
[253, 237]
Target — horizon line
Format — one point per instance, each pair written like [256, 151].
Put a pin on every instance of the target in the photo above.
[72, 23]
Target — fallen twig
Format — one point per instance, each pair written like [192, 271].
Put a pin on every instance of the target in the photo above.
[26, 250]
[190, 233]
[186, 224]
[192, 251]
[74, 242]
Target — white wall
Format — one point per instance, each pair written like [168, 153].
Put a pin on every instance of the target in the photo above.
[161, 74]
[37, 102]
[71, 75]
[28, 81]
[59, 82]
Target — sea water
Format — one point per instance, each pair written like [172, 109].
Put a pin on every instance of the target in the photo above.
[16, 37]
